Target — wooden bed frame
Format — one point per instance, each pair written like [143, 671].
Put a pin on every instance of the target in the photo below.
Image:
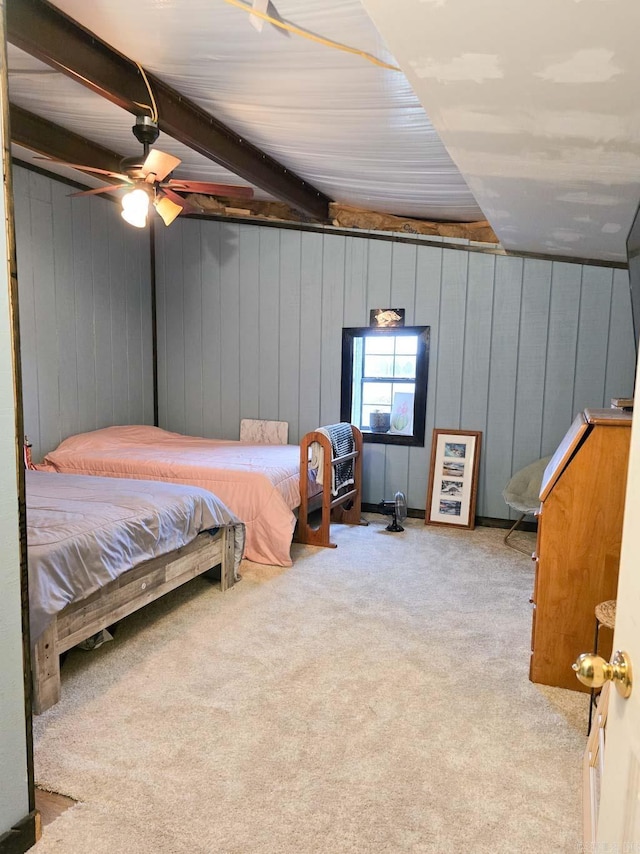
[131, 591]
[332, 508]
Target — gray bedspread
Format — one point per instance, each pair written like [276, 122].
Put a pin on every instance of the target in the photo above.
[83, 532]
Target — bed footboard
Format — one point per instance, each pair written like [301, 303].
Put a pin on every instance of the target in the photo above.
[345, 508]
[133, 590]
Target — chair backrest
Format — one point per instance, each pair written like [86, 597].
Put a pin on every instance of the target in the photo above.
[264, 432]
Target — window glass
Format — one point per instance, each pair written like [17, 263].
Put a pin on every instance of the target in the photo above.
[376, 393]
[378, 366]
[379, 345]
[407, 344]
[405, 366]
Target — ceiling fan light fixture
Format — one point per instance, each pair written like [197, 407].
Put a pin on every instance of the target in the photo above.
[167, 209]
[135, 207]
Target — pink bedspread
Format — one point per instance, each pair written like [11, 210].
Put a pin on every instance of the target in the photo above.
[259, 483]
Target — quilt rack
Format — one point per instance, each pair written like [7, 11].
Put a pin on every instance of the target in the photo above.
[332, 507]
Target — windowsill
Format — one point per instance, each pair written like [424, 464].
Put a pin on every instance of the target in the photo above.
[390, 439]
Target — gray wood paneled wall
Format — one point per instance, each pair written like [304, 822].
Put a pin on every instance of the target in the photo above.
[84, 286]
[250, 321]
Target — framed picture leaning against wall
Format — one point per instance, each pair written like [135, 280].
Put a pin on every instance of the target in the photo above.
[453, 478]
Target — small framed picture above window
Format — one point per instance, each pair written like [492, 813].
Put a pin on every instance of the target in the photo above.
[384, 382]
[453, 478]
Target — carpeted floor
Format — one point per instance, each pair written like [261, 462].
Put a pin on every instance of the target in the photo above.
[372, 699]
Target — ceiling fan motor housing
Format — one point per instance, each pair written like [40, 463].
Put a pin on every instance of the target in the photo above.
[145, 130]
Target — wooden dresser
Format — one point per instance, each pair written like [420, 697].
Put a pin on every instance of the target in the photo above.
[579, 539]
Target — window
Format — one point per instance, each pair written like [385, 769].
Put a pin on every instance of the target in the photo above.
[384, 382]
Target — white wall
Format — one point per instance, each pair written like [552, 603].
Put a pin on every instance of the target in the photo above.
[250, 320]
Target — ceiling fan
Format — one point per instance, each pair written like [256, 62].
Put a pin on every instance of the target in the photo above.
[147, 179]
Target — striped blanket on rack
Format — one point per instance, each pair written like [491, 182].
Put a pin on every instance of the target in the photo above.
[341, 438]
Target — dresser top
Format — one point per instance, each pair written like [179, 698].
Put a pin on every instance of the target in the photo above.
[608, 417]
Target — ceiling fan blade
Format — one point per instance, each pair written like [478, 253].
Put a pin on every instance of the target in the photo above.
[210, 189]
[167, 209]
[158, 165]
[82, 168]
[110, 189]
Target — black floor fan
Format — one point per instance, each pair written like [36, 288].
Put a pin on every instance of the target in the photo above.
[397, 509]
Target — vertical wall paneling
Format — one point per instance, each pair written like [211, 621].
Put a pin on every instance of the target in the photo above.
[146, 331]
[138, 327]
[250, 369]
[85, 316]
[497, 444]
[534, 330]
[269, 359]
[103, 351]
[230, 285]
[516, 345]
[45, 302]
[162, 247]
[427, 313]
[65, 310]
[451, 347]
[356, 311]
[621, 351]
[310, 334]
[477, 355]
[333, 283]
[210, 236]
[84, 288]
[289, 328]
[593, 337]
[562, 342]
[174, 261]
[192, 306]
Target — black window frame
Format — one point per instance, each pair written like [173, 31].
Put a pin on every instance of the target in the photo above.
[423, 334]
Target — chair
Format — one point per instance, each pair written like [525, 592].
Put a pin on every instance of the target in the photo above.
[522, 493]
[259, 432]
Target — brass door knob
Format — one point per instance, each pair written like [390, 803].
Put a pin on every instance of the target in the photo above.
[593, 671]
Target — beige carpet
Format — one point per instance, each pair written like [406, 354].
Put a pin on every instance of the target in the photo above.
[372, 698]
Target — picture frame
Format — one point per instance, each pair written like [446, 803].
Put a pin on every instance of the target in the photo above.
[384, 318]
[453, 478]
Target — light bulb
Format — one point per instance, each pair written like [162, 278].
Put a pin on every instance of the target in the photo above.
[135, 206]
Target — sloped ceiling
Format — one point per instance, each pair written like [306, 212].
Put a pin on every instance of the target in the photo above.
[538, 105]
[524, 114]
[353, 130]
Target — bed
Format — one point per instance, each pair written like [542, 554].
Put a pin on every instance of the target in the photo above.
[261, 484]
[100, 548]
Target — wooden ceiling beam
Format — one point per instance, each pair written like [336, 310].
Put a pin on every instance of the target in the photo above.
[51, 140]
[41, 30]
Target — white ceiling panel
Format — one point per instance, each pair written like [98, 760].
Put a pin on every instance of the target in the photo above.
[52, 95]
[538, 105]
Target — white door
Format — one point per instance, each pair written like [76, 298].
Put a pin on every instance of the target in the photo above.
[619, 816]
